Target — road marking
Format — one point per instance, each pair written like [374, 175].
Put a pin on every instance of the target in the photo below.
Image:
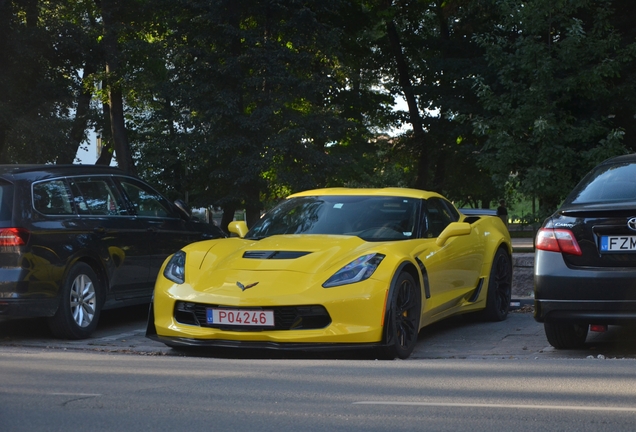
[508, 406]
[76, 394]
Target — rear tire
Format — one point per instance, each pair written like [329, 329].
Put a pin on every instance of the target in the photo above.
[564, 335]
[499, 288]
[403, 318]
[80, 304]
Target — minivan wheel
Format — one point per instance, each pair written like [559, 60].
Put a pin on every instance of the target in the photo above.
[564, 335]
[79, 308]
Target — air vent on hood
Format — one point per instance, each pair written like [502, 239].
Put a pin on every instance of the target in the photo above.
[274, 254]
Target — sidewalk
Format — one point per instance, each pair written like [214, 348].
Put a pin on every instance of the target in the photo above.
[522, 245]
[522, 272]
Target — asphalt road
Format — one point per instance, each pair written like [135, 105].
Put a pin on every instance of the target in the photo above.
[56, 390]
[465, 374]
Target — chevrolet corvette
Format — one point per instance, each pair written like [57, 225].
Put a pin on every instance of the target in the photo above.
[335, 269]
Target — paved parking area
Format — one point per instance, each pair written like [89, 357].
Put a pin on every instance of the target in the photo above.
[519, 337]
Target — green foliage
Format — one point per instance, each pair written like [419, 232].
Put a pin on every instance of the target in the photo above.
[549, 107]
[41, 47]
[256, 101]
[239, 103]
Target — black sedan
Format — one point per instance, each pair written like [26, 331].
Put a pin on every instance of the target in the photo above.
[585, 262]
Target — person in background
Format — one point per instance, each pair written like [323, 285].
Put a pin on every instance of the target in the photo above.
[502, 212]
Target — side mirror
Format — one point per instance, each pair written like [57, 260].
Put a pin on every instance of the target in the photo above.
[453, 230]
[238, 227]
[183, 208]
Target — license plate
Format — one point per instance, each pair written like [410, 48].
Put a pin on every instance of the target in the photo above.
[240, 317]
[618, 244]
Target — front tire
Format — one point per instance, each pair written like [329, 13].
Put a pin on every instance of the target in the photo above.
[80, 304]
[563, 335]
[499, 288]
[403, 318]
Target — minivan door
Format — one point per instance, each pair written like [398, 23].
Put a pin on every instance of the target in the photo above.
[166, 231]
[116, 233]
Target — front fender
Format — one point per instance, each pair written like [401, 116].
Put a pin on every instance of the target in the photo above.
[388, 335]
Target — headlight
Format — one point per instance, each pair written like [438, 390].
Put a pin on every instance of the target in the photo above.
[356, 271]
[175, 269]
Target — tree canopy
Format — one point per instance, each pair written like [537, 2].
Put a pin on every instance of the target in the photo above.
[236, 104]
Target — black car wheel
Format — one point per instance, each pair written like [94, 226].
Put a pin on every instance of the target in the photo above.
[403, 317]
[78, 312]
[499, 288]
[564, 335]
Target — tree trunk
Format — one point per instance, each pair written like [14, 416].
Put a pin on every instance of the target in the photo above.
[253, 205]
[112, 55]
[228, 216]
[77, 135]
[106, 154]
[118, 129]
[404, 79]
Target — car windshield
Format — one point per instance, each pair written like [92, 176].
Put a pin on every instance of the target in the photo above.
[607, 183]
[372, 218]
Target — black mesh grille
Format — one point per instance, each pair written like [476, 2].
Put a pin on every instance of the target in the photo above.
[285, 317]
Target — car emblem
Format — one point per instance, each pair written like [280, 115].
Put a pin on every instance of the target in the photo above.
[244, 287]
[631, 224]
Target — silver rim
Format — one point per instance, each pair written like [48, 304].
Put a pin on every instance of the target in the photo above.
[83, 300]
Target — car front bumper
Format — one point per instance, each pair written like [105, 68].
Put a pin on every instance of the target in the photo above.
[356, 313]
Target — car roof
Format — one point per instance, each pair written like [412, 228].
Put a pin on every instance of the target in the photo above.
[628, 158]
[42, 171]
[394, 192]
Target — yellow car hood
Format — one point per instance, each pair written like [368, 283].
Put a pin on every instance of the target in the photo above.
[298, 253]
[307, 260]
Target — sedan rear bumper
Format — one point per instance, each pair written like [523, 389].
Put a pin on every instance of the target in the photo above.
[584, 295]
[585, 311]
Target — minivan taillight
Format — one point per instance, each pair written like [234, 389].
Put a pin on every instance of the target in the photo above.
[557, 240]
[13, 237]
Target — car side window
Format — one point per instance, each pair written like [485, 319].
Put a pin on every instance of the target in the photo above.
[437, 217]
[97, 196]
[52, 198]
[452, 211]
[145, 201]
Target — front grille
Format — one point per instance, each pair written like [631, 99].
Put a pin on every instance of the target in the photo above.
[285, 317]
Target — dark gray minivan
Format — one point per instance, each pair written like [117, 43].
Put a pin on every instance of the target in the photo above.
[77, 239]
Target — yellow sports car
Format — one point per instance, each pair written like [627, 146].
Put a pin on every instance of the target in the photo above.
[335, 269]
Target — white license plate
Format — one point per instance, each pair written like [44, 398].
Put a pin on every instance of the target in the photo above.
[618, 244]
[240, 317]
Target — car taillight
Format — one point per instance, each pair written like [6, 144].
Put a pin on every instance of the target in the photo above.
[13, 237]
[557, 240]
